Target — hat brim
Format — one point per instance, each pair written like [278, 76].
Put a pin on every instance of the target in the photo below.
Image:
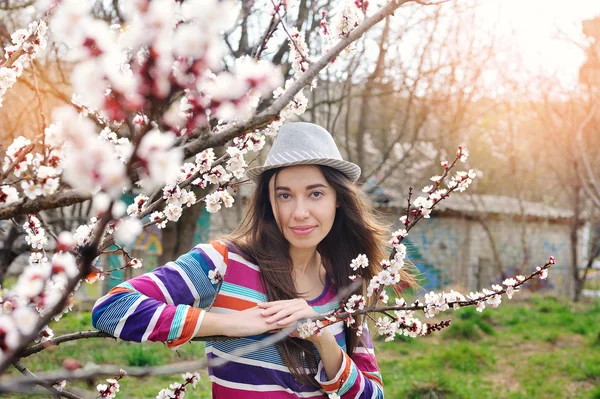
[351, 170]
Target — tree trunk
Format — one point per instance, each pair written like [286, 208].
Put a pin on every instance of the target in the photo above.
[365, 113]
[178, 238]
[574, 240]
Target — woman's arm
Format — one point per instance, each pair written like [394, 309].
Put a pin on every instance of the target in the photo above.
[355, 376]
[330, 352]
[243, 323]
[163, 305]
[358, 375]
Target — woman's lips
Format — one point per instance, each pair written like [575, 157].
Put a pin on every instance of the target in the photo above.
[303, 230]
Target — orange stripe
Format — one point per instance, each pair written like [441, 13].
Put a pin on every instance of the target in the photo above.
[189, 325]
[373, 377]
[222, 249]
[334, 386]
[222, 301]
[117, 289]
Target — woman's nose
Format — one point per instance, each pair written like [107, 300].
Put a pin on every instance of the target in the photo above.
[301, 210]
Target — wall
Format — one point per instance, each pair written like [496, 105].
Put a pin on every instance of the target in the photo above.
[455, 252]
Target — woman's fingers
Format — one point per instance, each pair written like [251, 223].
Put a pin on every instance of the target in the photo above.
[295, 316]
[290, 319]
[282, 313]
[271, 310]
[285, 311]
[266, 305]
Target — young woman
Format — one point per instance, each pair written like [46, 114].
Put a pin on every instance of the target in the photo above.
[286, 261]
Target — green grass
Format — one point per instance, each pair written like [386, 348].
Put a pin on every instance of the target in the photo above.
[540, 347]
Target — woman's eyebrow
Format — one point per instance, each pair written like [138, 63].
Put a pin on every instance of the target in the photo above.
[309, 187]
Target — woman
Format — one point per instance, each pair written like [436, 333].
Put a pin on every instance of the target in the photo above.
[305, 223]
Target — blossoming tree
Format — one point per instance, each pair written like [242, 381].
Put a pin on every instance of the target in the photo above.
[152, 103]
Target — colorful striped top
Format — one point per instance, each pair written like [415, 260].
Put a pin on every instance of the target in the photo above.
[164, 305]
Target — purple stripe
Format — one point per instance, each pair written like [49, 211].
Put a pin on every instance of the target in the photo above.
[340, 337]
[175, 284]
[365, 340]
[256, 375]
[319, 300]
[136, 323]
[326, 297]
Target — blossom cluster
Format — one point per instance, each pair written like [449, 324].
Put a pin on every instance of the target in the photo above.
[349, 18]
[38, 289]
[298, 51]
[177, 390]
[110, 389]
[38, 174]
[26, 44]
[175, 47]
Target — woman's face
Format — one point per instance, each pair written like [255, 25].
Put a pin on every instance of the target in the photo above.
[304, 205]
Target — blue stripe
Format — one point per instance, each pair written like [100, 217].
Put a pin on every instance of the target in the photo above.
[114, 313]
[195, 271]
[326, 308]
[243, 291]
[177, 321]
[350, 381]
[268, 354]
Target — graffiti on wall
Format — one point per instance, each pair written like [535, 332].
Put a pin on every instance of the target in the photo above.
[454, 251]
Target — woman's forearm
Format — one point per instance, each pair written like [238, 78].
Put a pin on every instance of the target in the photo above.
[331, 354]
[214, 324]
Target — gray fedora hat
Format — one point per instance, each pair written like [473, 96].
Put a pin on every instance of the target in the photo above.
[301, 143]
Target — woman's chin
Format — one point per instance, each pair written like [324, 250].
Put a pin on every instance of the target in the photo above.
[304, 242]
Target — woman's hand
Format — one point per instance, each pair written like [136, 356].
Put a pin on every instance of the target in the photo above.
[245, 323]
[285, 312]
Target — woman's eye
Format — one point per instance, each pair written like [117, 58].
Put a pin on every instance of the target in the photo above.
[317, 194]
[284, 196]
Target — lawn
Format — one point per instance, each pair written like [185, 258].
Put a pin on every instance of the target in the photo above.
[538, 347]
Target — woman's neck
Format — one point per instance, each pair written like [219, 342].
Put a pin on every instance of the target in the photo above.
[305, 261]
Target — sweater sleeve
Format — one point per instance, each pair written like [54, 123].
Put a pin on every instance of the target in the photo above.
[164, 305]
[358, 376]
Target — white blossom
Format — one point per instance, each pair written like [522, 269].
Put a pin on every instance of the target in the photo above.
[8, 195]
[127, 230]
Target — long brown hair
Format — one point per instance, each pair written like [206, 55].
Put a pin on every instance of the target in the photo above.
[355, 231]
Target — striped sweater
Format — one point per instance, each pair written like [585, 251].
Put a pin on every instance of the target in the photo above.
[164, 305]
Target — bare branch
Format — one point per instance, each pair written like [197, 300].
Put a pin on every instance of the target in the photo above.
[271, 113]
[47, 385]
[63, 198]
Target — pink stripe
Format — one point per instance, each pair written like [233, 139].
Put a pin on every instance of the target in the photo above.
[163, 324]
[240, 274]
[144, 284]
[354, 389]
[221, 392]
[365, 362]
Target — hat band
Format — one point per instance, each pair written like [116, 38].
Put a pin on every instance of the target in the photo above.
[285, 157]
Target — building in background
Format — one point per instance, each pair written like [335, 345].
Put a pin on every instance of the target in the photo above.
[472, 241]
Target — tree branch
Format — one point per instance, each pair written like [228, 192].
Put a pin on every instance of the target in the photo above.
[271, 113]
[45, 384]
[63, 198]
